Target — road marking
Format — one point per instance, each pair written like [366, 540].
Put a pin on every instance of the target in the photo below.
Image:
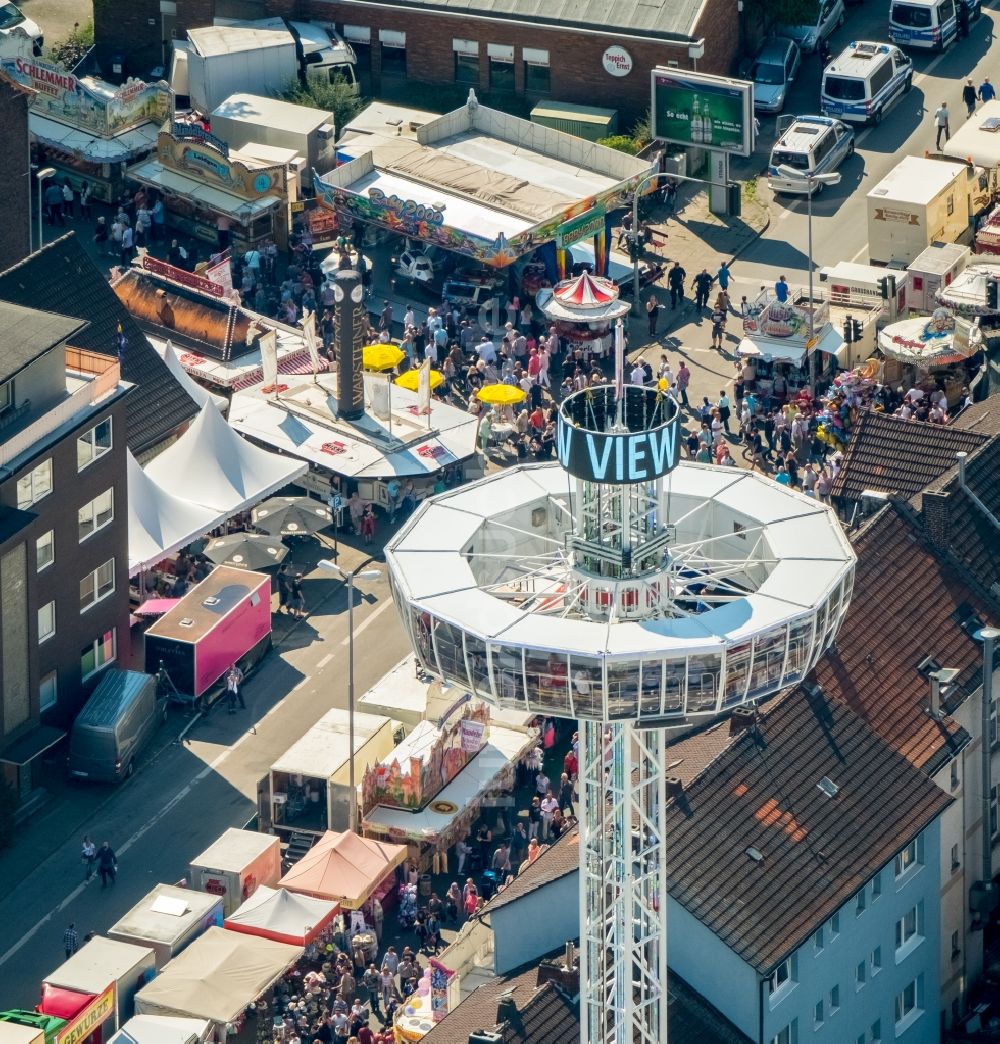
[367, 620]
[322, 663]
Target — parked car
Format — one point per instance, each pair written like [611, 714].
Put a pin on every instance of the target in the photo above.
[829, 16]
[810, 144]
[773, 70]
[13, 21]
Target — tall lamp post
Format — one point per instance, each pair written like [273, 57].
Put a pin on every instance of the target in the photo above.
[815, 183]
[42, 175]
[349, 577]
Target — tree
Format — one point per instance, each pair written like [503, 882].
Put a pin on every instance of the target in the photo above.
[621, 142]
[71, 51]
[338, 97]
[783, 12]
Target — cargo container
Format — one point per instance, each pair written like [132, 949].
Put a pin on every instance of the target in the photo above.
[236, 865]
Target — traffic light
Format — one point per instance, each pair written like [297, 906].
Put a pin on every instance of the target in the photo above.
[849, 330]
[992, 294]
[634, 250]
[734, 199]
[883, 285]
[856, 330]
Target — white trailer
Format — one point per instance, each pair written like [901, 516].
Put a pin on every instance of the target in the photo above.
[167, 919]
[236, 865]
[921, 201]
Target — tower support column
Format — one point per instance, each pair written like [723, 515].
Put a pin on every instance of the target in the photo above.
[623, 884]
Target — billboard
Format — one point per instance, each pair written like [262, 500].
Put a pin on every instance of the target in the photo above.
[708, 112]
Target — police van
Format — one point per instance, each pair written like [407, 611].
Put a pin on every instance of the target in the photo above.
[811, 145]
[929, 24]
[865, 79]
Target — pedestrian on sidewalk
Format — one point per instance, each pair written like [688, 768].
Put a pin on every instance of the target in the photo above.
[722, 277]
[297, 599]
[969, 97]
[702, 284]
[941, 115]
[69, 199]
[71, 940]
[987, 92]
[652, 312]
[725, 411]
[85, 190]
[675, 279]
[670, 196]
[88, 855]
[234, 693]
[683, 380]
[718, 326]
[107, 864]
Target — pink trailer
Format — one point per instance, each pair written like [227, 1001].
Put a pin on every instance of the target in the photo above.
[225, 619]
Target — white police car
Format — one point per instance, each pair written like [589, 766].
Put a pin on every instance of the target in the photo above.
[863, 80]
[810, 144]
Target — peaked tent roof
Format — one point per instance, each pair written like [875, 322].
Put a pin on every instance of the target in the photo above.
[221, 470]
[63, 273]
[586, 291]
[187, 382]
[343, 866]
[275, 913]
[158, 522]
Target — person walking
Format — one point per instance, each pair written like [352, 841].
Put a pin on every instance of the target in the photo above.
[702, 284]
[718, 326]
[683, 380]
[675, 280]
[297, 599]
[722, 277]
[69, 199]
[234, 682]
[128, 241]
[941, 116]
[107, 864]
[85, 190]
[725, 411]
[652, 312]
[969, 97]
[88, 855]
[71, 941]
[987, 92]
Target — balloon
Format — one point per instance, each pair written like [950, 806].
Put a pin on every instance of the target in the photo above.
[409, 1010]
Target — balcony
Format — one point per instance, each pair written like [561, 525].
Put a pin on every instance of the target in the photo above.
[90, 378]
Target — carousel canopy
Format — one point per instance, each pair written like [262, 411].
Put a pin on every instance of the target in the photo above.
[344, 867]
[584, 299]
[967, 291]
[283, 916]
[937, 341]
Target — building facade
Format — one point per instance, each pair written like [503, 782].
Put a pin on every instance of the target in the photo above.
[64, 612]
[15, 171]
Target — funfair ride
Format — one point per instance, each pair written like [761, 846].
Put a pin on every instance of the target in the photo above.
[636, 593]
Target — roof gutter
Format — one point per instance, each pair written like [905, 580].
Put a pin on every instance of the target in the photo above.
[990, 517]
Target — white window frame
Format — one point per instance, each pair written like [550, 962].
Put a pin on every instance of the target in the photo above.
[536, 56]
[47, 539]
[46, 621]
[908, 932]
[87, 443]
[781, 980]
[907, 861]
[98, 590]
[905, 1016]
[94, 515]
[98, 643]
[500, 53]
[360, 34]
[37, 489]
[392, 38]
[48, 691]
[468, 48]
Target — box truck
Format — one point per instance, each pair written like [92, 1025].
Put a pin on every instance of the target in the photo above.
[919, 202]
[225, 619]
[235, 865]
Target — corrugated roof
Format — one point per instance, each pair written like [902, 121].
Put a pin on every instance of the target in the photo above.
[26, 334]
[761, 793]
[63, 273]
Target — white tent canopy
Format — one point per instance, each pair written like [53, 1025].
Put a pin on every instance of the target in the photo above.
[160, 523]
[161, 1029]
[274, 913]
[186, 381]
[217, 976]
[215, 467]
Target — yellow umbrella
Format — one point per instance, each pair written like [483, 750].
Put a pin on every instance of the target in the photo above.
[411, 379]
[382, 356]
[501, 394]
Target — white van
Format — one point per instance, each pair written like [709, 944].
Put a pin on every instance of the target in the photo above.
[931, 24]
[810, 144]
[865, 79]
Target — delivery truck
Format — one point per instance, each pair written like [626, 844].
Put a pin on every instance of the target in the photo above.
[167, 919]
[225, 619]
[919, 202]
[234, 866]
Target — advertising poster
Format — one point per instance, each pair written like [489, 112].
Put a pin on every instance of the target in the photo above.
[702, 111]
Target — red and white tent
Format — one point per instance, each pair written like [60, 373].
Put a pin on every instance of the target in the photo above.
[273, 913]
[585, 298]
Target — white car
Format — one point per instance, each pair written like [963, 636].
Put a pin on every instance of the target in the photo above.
[13, 22]
[829, 16]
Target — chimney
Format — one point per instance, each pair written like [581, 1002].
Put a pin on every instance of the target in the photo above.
[962, 457]
[675, 786]
[506, 1008]
[563, 972]
[935, 509]
[942, 682]
[743, 719]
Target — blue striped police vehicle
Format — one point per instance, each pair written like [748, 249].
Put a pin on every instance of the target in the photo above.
[864, 80]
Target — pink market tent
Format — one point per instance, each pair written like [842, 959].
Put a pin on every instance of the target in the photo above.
[274, 913]
[344, 867]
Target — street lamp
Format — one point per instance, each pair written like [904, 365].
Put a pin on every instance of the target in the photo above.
[814, 181]
[349, 577]
[43, 175]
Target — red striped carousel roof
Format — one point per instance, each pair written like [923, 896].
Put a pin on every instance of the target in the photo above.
[586, 291]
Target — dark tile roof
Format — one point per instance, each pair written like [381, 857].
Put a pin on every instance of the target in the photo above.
[896, 456]
[981, 416]
[62, 274]
[555, 862]
[907, 605]
[761, 793]
[691, 1018]
[26, 334]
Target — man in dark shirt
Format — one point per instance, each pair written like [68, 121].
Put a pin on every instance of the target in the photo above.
[702, 283]
[675, 280]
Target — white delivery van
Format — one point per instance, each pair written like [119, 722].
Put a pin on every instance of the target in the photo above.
[865, 79]
[235, 865]
[919, 202]
[928, 24]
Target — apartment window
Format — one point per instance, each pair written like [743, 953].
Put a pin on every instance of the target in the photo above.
[781, 977]
[876, 1032]
[97, 514]
[393, 52]
[501, 58]
[835, 1000]
[834, 926]
[97, 585]
[818, 940]
[818, 1015]
[537, 71]
[907, 859]
[951, 205]
[955, 861]
[907, 931]
[99, 653]
[94, 444]
[466, 61]
[35, 485]
[45, 550]
[860, 903]
[48, 691]
[861, 974]
[6, 395]
[994, 794]
[876, 886]
[954, 774]
[956, 950]
[908, 1006]
[46, 622]
[784, 1036]
[876, 961]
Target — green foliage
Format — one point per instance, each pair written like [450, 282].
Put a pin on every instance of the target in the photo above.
[70, 51]
[8, 806]
[337, 97]
[621, 142]
[783, 12]
[643, 130]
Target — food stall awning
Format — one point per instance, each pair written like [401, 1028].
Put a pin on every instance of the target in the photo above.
[325, 749]
[218, 976]
[274, 913]
[489, 770]
[157, 176]
[127, 145]
[790, 349]
[344, 867]
[161, 1029]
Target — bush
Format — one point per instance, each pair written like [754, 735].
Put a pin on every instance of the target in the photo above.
[8, 806]
[621, 142]
[70, 52]
[337, 97]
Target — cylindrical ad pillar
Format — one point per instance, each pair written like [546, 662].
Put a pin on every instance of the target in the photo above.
[623, 886]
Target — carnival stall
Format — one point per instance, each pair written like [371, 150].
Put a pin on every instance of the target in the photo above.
[162, 1029]
[235, 865]
[167, 920]
[967, 294]
[281, 915]
[583, 309]
[424, 1008]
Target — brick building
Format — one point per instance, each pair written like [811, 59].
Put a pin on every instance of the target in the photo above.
[15, 171]
[592, 53]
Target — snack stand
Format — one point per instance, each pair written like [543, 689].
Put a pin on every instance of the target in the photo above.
[167, 920]
[583, 309]
[236, 865]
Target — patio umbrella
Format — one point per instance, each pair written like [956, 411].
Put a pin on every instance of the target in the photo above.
[501, 394]
[291, 516]
[382, 356]
[246, 551]
[411, 379]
